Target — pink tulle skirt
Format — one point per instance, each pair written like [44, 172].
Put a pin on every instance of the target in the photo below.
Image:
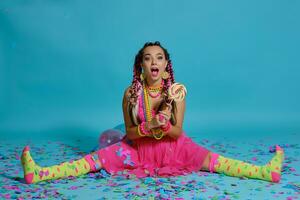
[150, 157]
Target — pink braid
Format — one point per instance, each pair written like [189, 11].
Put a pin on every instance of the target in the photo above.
[136, 85]
[167, 85]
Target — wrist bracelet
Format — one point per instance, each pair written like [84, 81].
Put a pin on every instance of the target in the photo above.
[139, 131]
[167, 127]
[157, 134]
[143, 129]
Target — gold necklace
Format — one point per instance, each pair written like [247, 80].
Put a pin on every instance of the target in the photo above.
[157, 133]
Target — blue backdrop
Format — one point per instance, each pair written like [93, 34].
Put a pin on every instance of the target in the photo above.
[65, 64]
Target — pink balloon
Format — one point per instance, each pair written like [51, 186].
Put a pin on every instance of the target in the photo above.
[109, 137]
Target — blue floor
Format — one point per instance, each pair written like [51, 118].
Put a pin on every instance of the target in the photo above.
[200, 185]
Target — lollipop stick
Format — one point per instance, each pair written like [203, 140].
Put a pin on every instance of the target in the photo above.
[169, 105]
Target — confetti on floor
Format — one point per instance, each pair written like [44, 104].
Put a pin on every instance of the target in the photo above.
[199, 185]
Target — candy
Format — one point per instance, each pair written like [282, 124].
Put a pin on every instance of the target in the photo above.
[177, 92]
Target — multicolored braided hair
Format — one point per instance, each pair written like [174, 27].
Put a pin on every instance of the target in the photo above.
[136, 85]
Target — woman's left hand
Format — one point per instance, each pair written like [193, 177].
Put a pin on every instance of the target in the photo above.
[166, 114]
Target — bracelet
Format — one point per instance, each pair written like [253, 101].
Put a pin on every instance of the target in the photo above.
[157, 133]
[158, 137]
[167, 127]
[139, 131]
[143, 129]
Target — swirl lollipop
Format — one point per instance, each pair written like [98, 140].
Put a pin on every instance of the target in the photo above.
[177, 92]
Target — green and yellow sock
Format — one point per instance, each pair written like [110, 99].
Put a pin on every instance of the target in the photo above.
[33, 173]
[269, 172]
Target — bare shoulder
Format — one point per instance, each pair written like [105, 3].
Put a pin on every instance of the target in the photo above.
[126, 95]
[127, 91]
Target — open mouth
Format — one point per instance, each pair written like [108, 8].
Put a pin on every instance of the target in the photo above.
[154, 71]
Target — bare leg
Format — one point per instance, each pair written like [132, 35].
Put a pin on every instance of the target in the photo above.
[205, 166]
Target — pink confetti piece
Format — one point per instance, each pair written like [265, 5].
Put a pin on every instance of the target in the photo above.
[73, 188]
[254, 159]
[7, 196]
[292, 169]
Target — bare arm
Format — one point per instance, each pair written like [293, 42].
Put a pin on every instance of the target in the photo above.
[131, 129]
[176, 130]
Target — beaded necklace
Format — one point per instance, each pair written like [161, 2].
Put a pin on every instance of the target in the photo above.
[157, 90]
[146, 105]
[157, 133]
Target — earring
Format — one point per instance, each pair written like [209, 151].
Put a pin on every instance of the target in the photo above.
[165, 75]
[142, 76]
